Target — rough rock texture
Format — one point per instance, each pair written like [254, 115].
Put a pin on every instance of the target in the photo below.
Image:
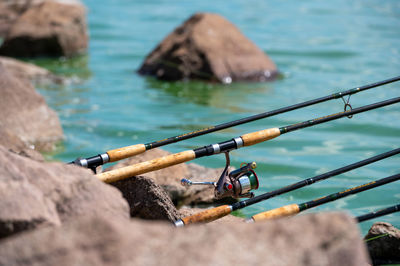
[27, 71]
[13, 143]
[185, 211]
[51, 28]
[170, 179]
[146, 199]
[35, 194]
[207, 46]
[385, 249]
[25, 113]
[322, 239]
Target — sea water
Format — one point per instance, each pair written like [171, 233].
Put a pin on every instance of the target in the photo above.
[320, 47]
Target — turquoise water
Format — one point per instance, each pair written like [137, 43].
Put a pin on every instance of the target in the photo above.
[320, 47]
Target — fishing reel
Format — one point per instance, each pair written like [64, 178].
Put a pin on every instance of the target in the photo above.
[236, 184]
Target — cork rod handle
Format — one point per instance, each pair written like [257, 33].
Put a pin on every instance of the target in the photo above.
[208, 215]
[145, 167]
[260, 136]
[125, 152]
[287, 210]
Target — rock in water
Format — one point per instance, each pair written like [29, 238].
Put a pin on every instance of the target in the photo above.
[25, 113]
[309, 240]
[27, 71]
[51, 28]
[383, 241]
[209, 47]
[146, 199]
[35, 194]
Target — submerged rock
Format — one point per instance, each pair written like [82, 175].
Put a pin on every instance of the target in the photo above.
[25, 113]
[315, 239]
[170, 179]
[383, 241]
[50, 28]
[35, 194]
[207, 46]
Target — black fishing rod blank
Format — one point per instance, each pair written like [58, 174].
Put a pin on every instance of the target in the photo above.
[125, 152]
[221, 211]
[293, 209]
[379, 213]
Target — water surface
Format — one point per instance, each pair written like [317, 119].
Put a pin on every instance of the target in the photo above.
[320, 47]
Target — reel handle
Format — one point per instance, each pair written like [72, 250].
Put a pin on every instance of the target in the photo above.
[187, 183]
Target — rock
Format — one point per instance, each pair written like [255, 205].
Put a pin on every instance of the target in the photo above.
[25, 113]
[207, 46]
[51, 28]
[27, 71]
[170, 179]
[185, 211]
[15, 144]
[146, 199]
[35, 194]
[316, 239]
[384, 249]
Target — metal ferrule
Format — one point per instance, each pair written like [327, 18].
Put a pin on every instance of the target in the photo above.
[245, 184]
[83, 162]
[239, 142]
[105, 158]
[179, 223]
[216, 148]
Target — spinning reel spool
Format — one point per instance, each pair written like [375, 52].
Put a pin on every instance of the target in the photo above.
[236, 184]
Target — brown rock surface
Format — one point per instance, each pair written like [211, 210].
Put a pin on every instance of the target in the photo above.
[27, 71]
[385, 249]
[317, 239]
[146, 199]
[207, 46]
[15, 144]
[51, 28]
[35, 194]
[25, 113]
[170, 179]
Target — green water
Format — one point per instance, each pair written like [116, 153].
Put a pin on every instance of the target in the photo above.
[320, 47]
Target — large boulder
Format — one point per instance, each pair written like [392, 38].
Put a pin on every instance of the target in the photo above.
[25, 113]
[383, 241]
[170, 179]
[316, 239]
[50, 28]
[31, 72]
[207, 46]
[146, 199]
[35, 194]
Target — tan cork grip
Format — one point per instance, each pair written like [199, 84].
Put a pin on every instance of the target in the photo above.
[148, 166]
[208, 215]
[260, 136]
[276, 213]
[125, 152]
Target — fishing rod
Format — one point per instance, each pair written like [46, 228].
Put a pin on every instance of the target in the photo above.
[293, 209]
[378, 213]
[221, 211]
[129, 151]
[227, 184]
